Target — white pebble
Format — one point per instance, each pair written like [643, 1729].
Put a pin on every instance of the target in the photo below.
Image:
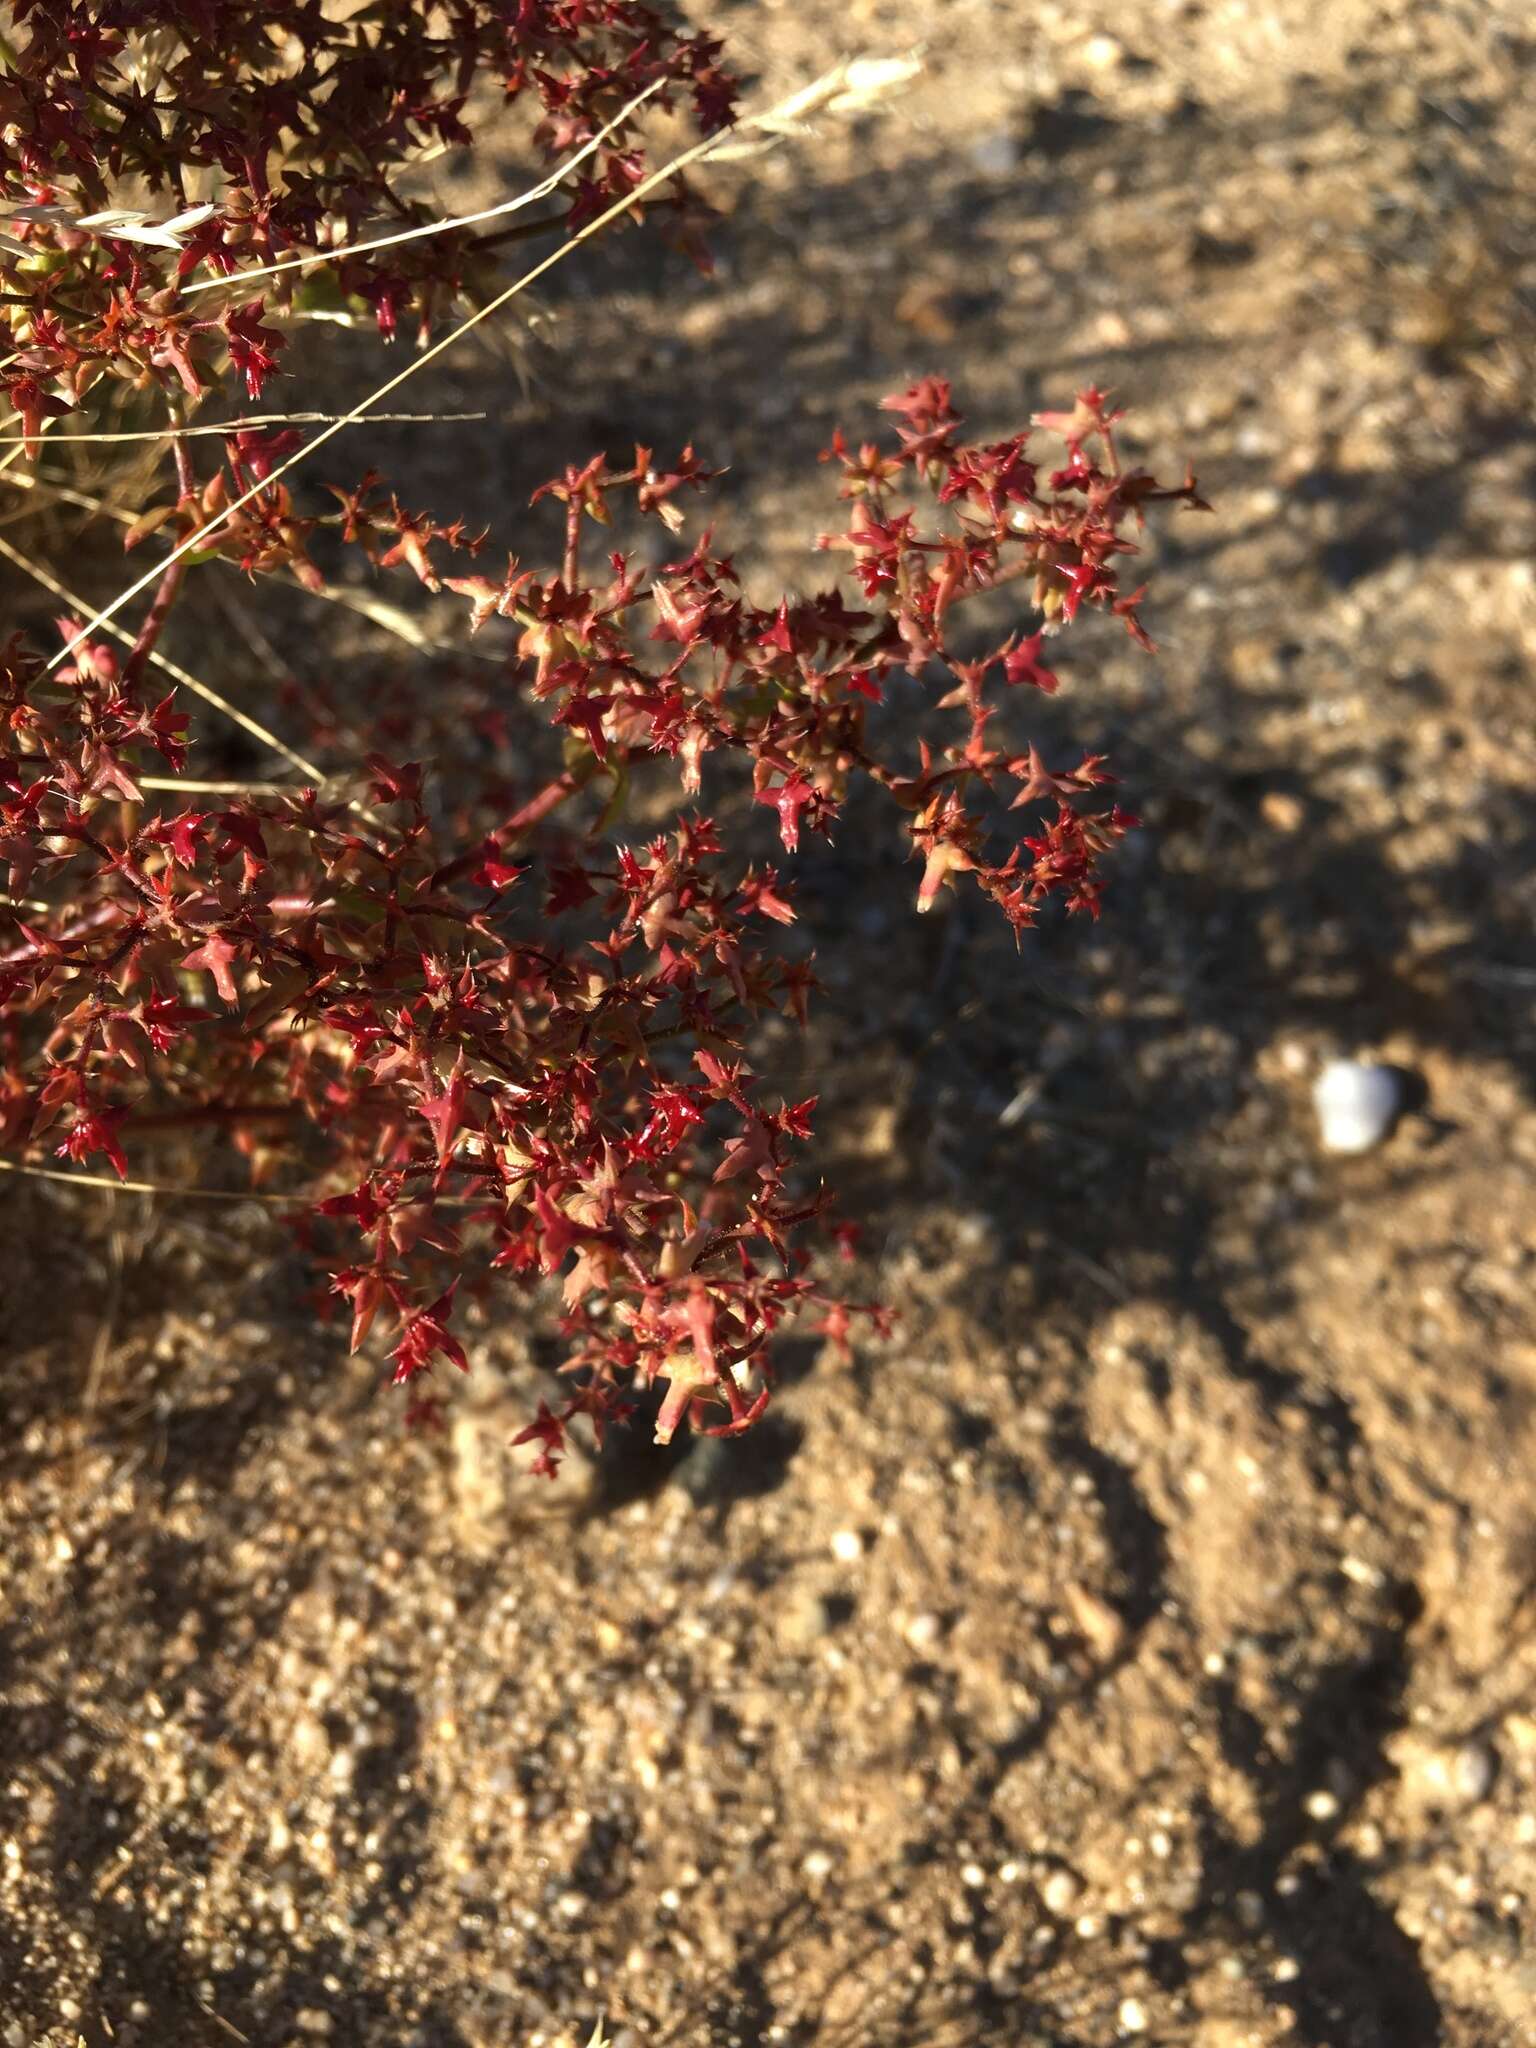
[1321, 1805]
[1357, 1104]
[972, 1876]
[817, 1865]
[1473, 1771]
[1133, 2016]
[1361, 1571]
[923, 1631]
[847, 1546]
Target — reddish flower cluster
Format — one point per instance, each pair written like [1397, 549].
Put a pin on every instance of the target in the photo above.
[538, 1063]
[502, 1039]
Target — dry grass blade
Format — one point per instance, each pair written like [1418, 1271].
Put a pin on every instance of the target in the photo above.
[393, 619]
[71, 1177]
[66, 494]
[237, 426]
[161, 661]
[852, 87]
[138, 1187]
[823, 93]
[214, 788]
[390, 618]
[543, 190]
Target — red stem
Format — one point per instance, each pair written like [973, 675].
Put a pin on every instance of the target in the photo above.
[549, 798]
[170, 583]
[572, 570]
[159, 612]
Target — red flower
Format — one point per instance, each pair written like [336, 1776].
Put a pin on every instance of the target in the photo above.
[95, 1130]
[425, 1334]
[548, 1431]
[253, 349]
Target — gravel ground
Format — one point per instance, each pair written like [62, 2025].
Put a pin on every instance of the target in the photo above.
[1142, 1645]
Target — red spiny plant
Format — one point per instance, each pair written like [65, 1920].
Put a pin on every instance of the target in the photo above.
[491, 1036]
[275, 131]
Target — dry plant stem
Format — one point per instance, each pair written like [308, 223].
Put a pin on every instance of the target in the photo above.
[25, 1170]
[140, 1187]
[239, 423]
[214, 786]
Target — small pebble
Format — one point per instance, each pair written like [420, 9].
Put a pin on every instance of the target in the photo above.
[1357, 1105]
[1282, 811]
[1321, 1805]
[1472, 1771]
[1444, 1777]
[1102, 1625]
[995, 155]
[1361, 1571]
[817, 1865]
[1060, 1892]
[847, 1546]
[1133, 2016]
[923, 1631]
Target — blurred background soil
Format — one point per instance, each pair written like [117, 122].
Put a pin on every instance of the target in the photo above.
[1141, 1646]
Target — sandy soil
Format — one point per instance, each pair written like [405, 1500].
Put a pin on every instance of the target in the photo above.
[1142, 1646]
